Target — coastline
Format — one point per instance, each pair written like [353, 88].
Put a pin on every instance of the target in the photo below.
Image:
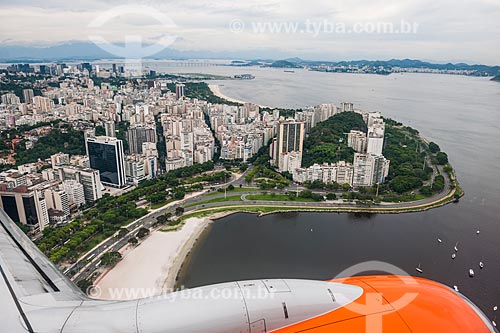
[215, 89]
[140, 274]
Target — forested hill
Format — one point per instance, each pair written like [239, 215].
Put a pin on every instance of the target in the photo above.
[327, 142]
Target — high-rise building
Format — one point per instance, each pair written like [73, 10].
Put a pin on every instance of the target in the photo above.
[75, 191]
[59, 159]
[106, 155]
[10, 99]
[28, 96]
[57, 199]
[109, 127]
[370, 169]
[26, 206]
[375, 144]
[380, 169]
[179, 90]
[89, 178]
[357, 141]
[138, 135]
[42, 104]
[363, 170]
[288, 146]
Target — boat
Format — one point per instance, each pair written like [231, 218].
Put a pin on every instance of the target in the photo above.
[456, 288]
[289, 71]
[495, 308]
[471, 272]
[439, 240]
[481, 265]
[478, 232]
[419, 269]
[453, 256]
[456, 247]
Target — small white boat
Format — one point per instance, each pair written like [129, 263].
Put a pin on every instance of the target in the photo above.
[456, 288]
[471, 272]
[419, 269]
[494, 324]
[453, 255]
[478, 232]
[495, 308]
[311, 230]
[481, 265]
[456, 247]
[439, 240]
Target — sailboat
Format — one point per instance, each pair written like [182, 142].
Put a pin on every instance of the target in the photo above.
[453, 255]
[456, 288]
[481, 265]
[456, 247]
[439, 240]
[419, 269]
[471, 272]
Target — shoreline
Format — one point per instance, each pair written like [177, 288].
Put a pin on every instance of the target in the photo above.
[140, 274]
[215, 89]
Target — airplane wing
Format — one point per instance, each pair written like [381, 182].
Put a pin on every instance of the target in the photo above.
[25, 273]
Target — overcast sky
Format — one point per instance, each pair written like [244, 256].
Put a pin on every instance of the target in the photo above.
[448, 30]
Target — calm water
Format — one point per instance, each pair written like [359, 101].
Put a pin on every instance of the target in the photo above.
[461, 114]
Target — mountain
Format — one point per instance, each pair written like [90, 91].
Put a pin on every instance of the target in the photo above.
[284, 64]
[90, 51]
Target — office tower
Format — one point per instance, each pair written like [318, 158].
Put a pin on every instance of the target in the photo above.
[109, 127]
[28, 96]
[138, 135]
[106, 155]
[288, 146]
[26, 206]
[179, 90]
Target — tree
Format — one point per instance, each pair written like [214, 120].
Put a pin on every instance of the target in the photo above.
[434, 148]
[331, 196]
[179, 194]
[230, 187]
[122, 232]
[133, 241]
[143, 232]
[179, 211]
[442, 158]
[110, 258]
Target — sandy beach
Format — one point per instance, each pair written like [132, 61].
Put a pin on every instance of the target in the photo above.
[150, 269]
[216, 91]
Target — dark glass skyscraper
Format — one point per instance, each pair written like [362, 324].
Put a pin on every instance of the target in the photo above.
[106, 155]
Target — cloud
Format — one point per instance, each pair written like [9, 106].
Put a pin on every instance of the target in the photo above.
[447, 30]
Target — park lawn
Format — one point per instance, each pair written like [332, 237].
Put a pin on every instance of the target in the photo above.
[221, 199]
[276, 197]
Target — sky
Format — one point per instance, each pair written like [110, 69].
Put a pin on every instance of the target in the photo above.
[442, 30]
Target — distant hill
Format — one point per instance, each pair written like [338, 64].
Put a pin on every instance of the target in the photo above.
[284, 64]
[480, 70]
